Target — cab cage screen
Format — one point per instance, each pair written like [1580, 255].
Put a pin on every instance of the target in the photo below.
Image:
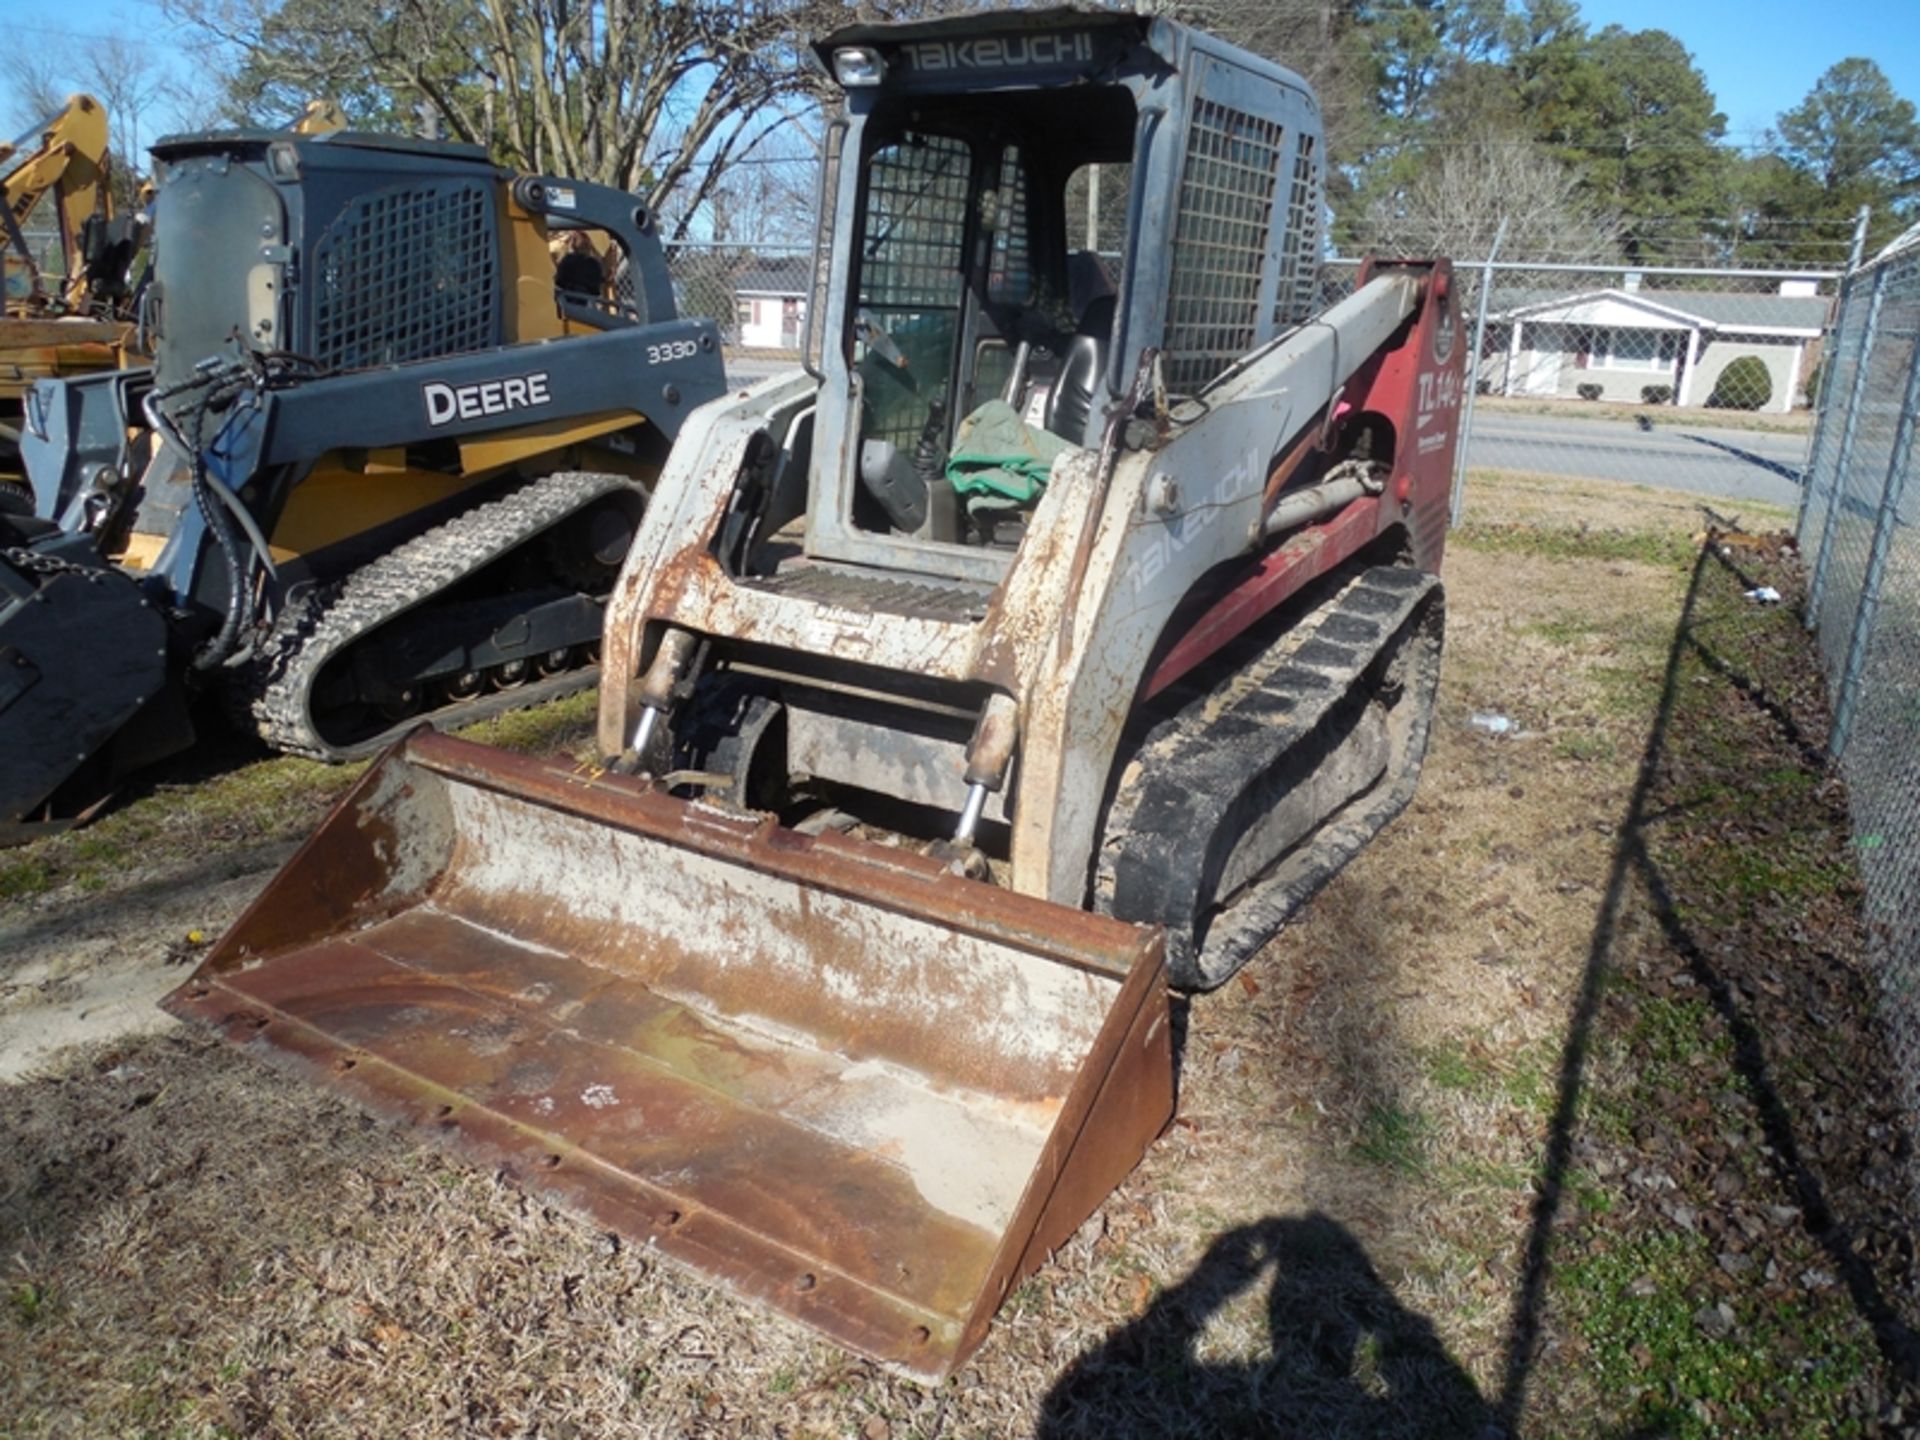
[1220, 242]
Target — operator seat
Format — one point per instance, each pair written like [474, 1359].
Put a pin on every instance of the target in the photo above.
[1070, 402]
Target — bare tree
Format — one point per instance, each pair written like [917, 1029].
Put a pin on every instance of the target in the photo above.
[34, 85]
[1320, 41]
[194, 99]
[655, 98]
[767, 195]
[1461, 193]
[123, 75]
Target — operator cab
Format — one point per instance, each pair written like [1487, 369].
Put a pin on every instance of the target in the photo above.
[1017, 207]
[983, 308]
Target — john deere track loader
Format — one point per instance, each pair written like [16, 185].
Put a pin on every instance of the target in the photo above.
[383, 468]
[1052, 637]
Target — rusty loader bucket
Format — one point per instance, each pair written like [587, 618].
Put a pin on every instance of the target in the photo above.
[826, 1073]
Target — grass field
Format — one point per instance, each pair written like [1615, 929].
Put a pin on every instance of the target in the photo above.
[1560, 1113]
[1695, 416]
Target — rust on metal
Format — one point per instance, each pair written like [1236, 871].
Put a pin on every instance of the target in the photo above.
[830, 1074]
[1117, 418]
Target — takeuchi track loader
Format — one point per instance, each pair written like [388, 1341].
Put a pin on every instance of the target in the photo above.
[383, 468]
[1050, 639]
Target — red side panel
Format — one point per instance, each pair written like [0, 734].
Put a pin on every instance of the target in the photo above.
[1415, 388]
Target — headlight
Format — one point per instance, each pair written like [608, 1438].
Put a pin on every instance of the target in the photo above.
[857, 65]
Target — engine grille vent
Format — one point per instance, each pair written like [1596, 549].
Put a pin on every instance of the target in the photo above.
[1219, 242]
[407, 273]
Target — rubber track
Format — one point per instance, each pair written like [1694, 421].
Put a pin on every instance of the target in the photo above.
[1179, 790]
[276, 687]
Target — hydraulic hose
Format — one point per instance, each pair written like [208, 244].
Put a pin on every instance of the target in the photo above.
[211, 655]
[214, 387]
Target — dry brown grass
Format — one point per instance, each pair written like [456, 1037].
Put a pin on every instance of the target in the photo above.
[1326, 1243]
[1799, 421]
[1557, 503]
[217, 1250]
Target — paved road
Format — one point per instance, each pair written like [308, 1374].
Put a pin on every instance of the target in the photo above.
[1739, 464]
[747, 370]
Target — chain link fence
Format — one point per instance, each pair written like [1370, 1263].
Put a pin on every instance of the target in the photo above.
[43, 244]
[1690, 379]
[1686, 378]
[755, 293]
[1702, 379]
[1857, 532]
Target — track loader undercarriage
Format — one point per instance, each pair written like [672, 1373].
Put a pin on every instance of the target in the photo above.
[1276, 767]
[422, 635]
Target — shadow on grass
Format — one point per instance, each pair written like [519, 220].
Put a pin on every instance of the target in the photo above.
[1785, 472]
[88, 794]
[1632, 862]
[221, 757]
[1347, 1358]
[121, 909]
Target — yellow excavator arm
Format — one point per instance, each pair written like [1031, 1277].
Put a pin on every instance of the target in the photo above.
[63, 157]
[319, 117]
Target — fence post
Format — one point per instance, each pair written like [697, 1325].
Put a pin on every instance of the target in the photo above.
[1868, 610]
[1822, 403]
[1473, 378]
[1856, 396]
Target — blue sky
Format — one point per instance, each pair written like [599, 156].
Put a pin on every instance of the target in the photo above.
[1759, 56]
[1762, 56]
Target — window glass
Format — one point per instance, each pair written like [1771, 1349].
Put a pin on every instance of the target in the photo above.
[912, 284]
[1096, 205]
[1636, 349]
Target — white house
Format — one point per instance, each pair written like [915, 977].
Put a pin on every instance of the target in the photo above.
[770, 302]
[1629, 340]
